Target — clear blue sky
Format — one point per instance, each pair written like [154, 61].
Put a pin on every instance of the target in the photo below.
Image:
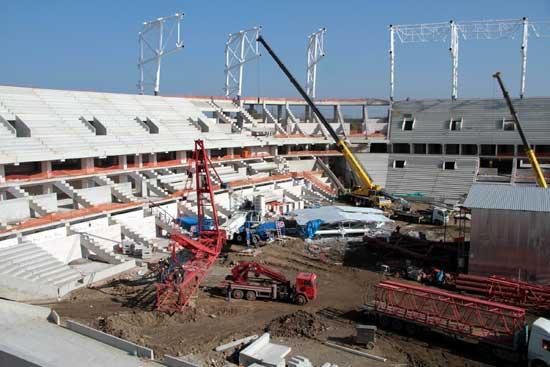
[92, 45]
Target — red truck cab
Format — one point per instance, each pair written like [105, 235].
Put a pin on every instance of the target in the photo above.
[306, 287]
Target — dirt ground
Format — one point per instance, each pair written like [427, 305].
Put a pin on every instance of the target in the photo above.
[122, 308]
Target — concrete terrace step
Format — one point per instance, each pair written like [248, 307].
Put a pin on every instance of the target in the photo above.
[30, 262]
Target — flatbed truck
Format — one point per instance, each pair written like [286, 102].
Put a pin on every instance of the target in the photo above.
[412, 309]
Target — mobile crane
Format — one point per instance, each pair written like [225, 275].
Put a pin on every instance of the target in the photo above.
[526, 147]
[269, 283]
[368, 192]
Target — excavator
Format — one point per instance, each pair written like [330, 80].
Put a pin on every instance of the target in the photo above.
[367, 193]
[539, 176]
[270, 284]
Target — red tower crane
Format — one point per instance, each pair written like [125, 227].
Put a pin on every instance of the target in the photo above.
[192, 257]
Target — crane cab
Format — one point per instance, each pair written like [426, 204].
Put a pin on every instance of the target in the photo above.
[305, 287]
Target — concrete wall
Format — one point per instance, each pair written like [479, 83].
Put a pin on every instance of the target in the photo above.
[48, 201]
[97, 195]
[56, 242]
[14, 210]
[510, 243]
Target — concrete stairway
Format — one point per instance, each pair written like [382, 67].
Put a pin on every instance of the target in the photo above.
[102, 253]
[151, 186]
[38, 209]
[116, 190]
[30, 262]
[132, 234]
[67, 189]
[330, 174]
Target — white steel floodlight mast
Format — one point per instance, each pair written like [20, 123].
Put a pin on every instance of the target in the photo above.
[315, 52]
[476, 30]
[240, 48]
[154, 43]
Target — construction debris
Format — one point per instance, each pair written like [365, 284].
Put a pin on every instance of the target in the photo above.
[297, 324]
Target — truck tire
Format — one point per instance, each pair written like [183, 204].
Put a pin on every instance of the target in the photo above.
[538, 363]
[237, 294]
[410, 329]
[384, 321]
[250, 296]
[397, 325]
[239, 238]
[255, 239]
[300, 300]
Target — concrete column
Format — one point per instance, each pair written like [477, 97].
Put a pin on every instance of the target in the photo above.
[273, 150]
[47, 188]
[87, 183]
[3, 195]
[123, 178]
[230, 151]
[335, 113]
[2, 173]
[123, 162]
[153, 158]
[365, 113]
[87, 164]
[181, 156]
[279, 113]
[139, 161]
[46, 167]
[514, 170]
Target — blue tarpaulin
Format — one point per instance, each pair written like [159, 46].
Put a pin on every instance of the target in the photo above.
[188, 222]
[308, 230]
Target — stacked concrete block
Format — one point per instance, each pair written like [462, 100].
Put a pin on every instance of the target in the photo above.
[264, 353]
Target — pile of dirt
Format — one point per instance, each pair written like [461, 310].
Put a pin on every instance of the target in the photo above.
[297, 324]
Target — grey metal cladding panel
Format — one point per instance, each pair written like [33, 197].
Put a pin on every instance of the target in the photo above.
[424, 174]
[505, 197]
[482, 119]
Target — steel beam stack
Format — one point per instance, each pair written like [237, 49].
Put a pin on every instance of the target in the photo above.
[454, 313]
[506, 290]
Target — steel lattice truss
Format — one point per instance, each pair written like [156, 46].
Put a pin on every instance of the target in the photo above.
[240, 48]
[453, 32]
[469, 316]
[315, 52]
[158, 38]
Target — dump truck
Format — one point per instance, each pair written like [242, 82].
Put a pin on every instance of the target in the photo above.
[250, 280]
[414, 309]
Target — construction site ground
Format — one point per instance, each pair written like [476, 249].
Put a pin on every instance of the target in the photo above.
[120, 308]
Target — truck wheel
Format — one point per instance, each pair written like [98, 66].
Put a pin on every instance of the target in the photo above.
[396, 325]
[538, 364]
[250, 296]
[301, 300]
[237, 294]
[239, 238]
[384, 321]
[410, 329]
[255, 239]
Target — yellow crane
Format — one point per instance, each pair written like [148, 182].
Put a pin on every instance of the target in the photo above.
[526, 147]
[374, 194]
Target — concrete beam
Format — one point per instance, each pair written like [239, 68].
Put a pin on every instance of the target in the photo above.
[171, 361]
[111, 340]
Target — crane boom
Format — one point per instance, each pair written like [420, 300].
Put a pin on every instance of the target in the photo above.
[367, 184]
[528, 150]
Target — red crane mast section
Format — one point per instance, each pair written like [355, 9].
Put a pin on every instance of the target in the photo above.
[454, 313]
[185, 276]
[506, 290]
